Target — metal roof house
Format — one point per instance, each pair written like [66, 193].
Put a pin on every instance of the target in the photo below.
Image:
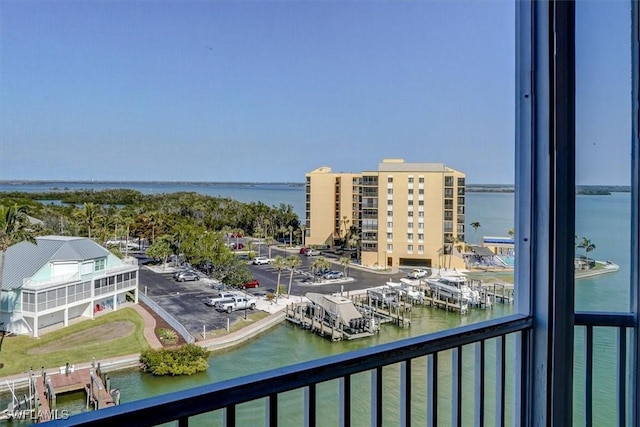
[61, 278]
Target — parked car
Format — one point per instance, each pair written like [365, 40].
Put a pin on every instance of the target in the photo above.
[417, 273]
[312, 252]
[261, 260]
[333, 275]
[211, 301]
[250, 284]
[186, 276]
[237, 246]
[303, 251]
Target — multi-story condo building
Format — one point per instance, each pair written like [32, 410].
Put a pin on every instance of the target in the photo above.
[402, 214]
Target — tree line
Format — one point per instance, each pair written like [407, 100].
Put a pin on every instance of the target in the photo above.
[193, 225]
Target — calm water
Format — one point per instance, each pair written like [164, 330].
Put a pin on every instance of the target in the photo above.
[602, 219]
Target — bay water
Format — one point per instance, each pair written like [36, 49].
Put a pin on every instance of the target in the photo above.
[602, 219]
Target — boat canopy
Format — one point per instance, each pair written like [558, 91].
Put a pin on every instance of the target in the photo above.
[340, 306]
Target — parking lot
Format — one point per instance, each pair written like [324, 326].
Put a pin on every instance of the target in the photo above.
[186, 300]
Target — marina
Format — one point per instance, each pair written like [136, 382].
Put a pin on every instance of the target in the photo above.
[360, 314]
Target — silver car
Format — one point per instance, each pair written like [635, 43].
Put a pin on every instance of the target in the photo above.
[186, 276]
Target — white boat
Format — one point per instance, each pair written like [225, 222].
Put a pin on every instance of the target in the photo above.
[454, 287]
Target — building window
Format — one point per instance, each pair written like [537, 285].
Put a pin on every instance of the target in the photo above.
[410, 213]
[389, 190]
[409, 236]
[390, 202]
[100, 263]
[409, 248]
[421, 226]
[410, 202]
[448, 181]
[420, 248]
[390, 247]
[410, 180]
[389, 213]
[389, 224]
[421, 180]
[420, 236]
[421, 214]
[421, 191]
[389, 235]
[420, 202]
[410, 225]
[390, 179]
[411, 191]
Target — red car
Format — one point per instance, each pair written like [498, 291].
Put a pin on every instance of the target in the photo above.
[237, 246]
[304, 251]
[251, 284]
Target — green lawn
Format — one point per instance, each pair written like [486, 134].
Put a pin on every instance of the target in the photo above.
[113, 334]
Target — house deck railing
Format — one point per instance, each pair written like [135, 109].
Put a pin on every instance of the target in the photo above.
[407, 377]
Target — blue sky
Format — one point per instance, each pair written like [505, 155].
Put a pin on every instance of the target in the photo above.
[266, 91]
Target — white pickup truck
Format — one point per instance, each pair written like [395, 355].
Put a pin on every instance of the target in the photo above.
[236, 303]
[224, 295]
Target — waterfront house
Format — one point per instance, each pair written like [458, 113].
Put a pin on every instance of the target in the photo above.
[61, 278]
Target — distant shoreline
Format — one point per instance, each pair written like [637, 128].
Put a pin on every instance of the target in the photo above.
[471, 188]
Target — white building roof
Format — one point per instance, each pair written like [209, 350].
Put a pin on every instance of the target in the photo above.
[25, 259]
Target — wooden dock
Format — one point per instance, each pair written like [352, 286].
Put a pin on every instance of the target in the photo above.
[45, 388]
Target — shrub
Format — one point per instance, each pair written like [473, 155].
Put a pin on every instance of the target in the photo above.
[167, 335]
[184, 360]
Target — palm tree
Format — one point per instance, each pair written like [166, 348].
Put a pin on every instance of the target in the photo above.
[344, 262]
[303, 230]
[451, 241]
[475, 225]
[279, 263]
[290, 228]
[345, 223]
[14, 228]
[320, 264]
[89, 216]
[292, 262]
[587, 246]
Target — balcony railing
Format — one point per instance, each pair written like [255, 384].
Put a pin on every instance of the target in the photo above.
[609, 350]
[399, 383]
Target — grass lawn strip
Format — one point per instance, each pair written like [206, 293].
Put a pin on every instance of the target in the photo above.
[18, 352]
[97, 334]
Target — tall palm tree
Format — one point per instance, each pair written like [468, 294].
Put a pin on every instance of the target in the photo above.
[345, 223]
[475, 225]
[344, 262]
[89, 216]
[451, 241]
[279, 263]
[303, 230]
[292, 262]
[587, 245]
[14, 228]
